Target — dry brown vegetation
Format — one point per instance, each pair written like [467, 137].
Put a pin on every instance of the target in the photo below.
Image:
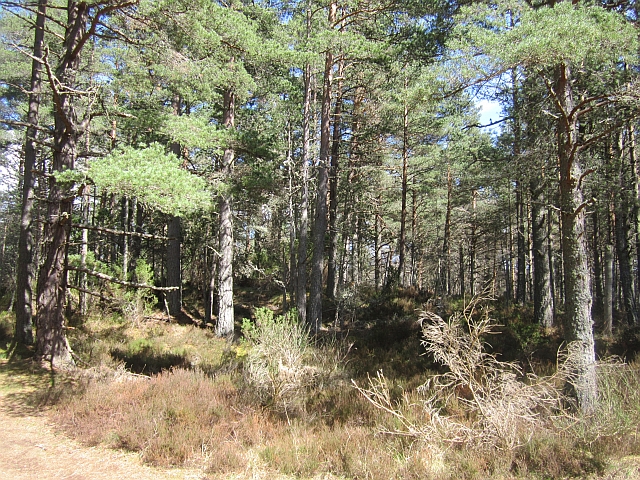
[276, 403]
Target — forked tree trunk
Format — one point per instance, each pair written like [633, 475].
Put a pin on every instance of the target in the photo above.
[25, 273]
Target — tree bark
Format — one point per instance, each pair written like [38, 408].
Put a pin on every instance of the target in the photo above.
[25, 271]
[225, 323]
[303, 227]
[314, 317]
[521, 279]
[607, 320]
[542, 294]
[174, 267]
[405, 174]
[333, 190]
[51, 341]
[445, 271]
[622, 225]
[578, 320]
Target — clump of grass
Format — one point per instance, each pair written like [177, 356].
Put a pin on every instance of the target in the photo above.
[283, 364]
[147, 347]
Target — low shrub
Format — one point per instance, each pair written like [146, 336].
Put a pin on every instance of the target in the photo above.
[278, 362]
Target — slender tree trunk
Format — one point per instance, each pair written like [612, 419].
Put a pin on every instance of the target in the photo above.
[333, 189]
[25, 271]
[578, 320]
[174, 232]
[378, 249]
[84, 250]
[598, 301]
[521, 279]
[521, 243]
[473, 239]
[405, 174]
[224, 326]
[542, 294]
[622, 208]
[314, 317]
[303, 228]
[461, 271]
[414, 235]
[174, 267]
[125, 238]
[608, 291]
[446, 241]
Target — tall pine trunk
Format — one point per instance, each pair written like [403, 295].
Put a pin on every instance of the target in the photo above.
[303, 227]
[25, 266]
[578, 320]
[314, 317]
[542, 294]
[51, 341]
[332, 269]
[224, 325]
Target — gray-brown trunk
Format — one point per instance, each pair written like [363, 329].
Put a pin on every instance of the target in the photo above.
[578, 320]
[225, 323]
[314, 315]
[25, 268]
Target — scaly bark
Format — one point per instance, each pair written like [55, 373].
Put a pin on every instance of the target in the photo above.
[578, 320]
[225, 323]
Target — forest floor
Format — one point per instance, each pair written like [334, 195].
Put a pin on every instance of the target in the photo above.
[33, 448]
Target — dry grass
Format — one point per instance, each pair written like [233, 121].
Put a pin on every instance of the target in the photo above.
[480, 418]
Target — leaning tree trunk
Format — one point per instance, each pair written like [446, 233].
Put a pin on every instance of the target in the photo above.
[224, 325]
[25, 273]
[578, 320]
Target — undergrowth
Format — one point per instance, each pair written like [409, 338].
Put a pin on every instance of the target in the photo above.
[280, 402]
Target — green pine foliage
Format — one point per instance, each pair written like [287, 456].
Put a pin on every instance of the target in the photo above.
[154, 177]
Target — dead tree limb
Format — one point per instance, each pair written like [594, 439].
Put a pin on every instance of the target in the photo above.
[111, 279]
[120, 232]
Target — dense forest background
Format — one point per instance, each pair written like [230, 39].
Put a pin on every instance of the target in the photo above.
[176, 154]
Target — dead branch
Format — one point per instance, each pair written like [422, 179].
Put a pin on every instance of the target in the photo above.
[121, 232]
[111, 279]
